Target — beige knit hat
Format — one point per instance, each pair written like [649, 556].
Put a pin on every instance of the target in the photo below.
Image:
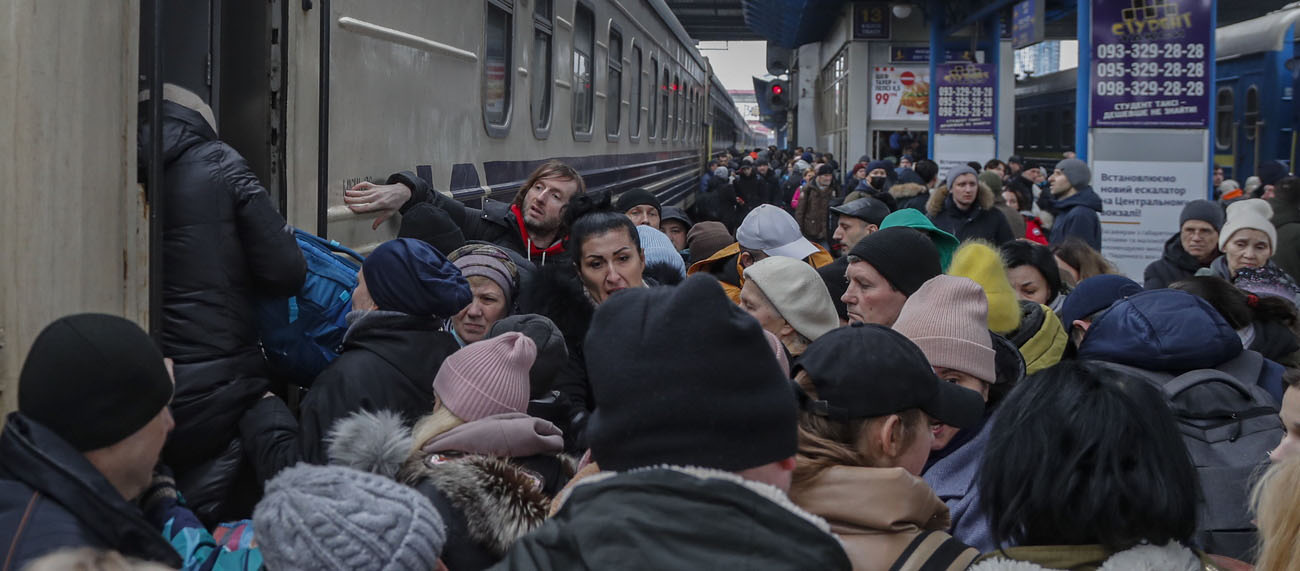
[1253, 214]
[487, 377]
[948, 319]
[797, 293]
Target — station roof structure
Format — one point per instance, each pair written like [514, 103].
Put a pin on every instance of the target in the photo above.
[791, 23]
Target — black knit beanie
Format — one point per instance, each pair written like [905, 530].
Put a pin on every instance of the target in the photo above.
[637, 197]
[93, 379]
[904, 256]
[713, 396]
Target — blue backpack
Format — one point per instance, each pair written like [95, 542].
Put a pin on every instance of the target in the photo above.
[302, 334]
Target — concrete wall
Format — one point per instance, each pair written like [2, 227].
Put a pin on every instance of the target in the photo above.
[73, 231]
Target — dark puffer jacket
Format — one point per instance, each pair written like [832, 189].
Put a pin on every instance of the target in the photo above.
[1174, 265]
[1080, 217]
[677, 518]
[52, 498]
[223, 245]
[389, 361]
[982, 221]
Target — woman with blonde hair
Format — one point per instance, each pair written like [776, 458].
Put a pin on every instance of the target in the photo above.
[863, 440]
[1274, 502]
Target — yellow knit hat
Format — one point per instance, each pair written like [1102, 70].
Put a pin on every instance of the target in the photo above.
[1046, 346]
[981, 262]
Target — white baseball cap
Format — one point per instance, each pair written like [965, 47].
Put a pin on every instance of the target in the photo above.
[773, 231]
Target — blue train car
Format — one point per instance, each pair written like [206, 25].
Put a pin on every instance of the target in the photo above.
[1255, 116]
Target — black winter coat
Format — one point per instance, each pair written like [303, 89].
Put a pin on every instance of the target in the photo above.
[773, 184]
[984, 223]
[224, 244]
[1174, 265]
[52, 498]
[496, 223]
[388, 362]
[677, 518]
[752, 190]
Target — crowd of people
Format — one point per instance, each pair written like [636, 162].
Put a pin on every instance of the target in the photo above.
[879, 367]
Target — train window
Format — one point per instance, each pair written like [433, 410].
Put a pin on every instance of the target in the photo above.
[614, 77]
[540, 76]
[634, 95]
[677, 108]
[584, 39]
[663, 106]
[1250, 121]
[496, 66]
[653, 98]
[1223, 119]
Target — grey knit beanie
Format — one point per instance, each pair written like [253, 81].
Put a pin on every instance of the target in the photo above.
[1076, 171]
[1204, 211]
[336, 518]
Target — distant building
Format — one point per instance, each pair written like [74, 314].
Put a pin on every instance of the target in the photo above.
[747, 105]
[1047, 57]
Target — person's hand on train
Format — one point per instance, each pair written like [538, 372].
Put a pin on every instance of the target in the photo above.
[385, 199]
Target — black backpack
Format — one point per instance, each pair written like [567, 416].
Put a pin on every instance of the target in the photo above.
[1229, 427]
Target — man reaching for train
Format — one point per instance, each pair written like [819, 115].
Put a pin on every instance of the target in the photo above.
[530, 224]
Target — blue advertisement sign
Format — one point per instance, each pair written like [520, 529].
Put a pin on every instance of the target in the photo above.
[967, 98]
[871, 20]
[1151, 63]
[1028, 23]
[921, 54]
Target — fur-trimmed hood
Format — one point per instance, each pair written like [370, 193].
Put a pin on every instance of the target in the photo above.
[904, 190]
[500, 500]
[985, 199]
[1172, 556]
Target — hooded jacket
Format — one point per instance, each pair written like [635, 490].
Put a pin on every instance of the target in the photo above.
[1174, 265]
[224, 244]
[677, 518]
[981, 221]
[491, 480]
[876, 512]
[497, 222]
[954, 477]
[1079, 216]
[752, 189]
[910, 195]
[813, 212]
[1286, 219]
[52, 498]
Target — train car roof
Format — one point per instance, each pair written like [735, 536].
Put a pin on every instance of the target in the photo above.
[1263, 34]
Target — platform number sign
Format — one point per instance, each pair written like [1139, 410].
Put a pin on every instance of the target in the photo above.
[871, 20]
[1151, 63]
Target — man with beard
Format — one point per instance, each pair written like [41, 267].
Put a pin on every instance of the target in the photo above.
[530, 224]
[1078, 206]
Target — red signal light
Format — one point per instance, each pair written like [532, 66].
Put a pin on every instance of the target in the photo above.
[777, 90]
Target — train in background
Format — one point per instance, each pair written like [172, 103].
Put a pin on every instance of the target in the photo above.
[471, 95]
[1255, 120]
[318, 95]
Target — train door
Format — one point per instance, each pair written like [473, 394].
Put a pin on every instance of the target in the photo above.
[228, 52]
[1251, 132]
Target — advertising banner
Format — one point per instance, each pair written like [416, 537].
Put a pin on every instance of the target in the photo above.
[1141, 201]
[1028, 23]
[1151, 63]
[871, 20]
[921, 54]
[967, 98]
[900, 93]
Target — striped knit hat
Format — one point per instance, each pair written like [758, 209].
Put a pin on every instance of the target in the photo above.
[487, 377]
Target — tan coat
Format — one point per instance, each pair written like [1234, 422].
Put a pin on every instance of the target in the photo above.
[876, 512]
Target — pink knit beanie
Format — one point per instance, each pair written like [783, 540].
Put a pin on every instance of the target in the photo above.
[487, 377]
[948, 319]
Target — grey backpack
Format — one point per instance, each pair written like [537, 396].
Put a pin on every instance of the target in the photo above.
[1229, 427]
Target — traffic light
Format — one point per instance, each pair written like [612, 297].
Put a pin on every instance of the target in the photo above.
[773, 95]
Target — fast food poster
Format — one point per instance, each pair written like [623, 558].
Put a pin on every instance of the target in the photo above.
[900, 93]
[967, 98]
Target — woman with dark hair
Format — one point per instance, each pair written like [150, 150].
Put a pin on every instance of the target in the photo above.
[1033, 273]
[1266, 324]
[607, 258]
[1085, 469]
